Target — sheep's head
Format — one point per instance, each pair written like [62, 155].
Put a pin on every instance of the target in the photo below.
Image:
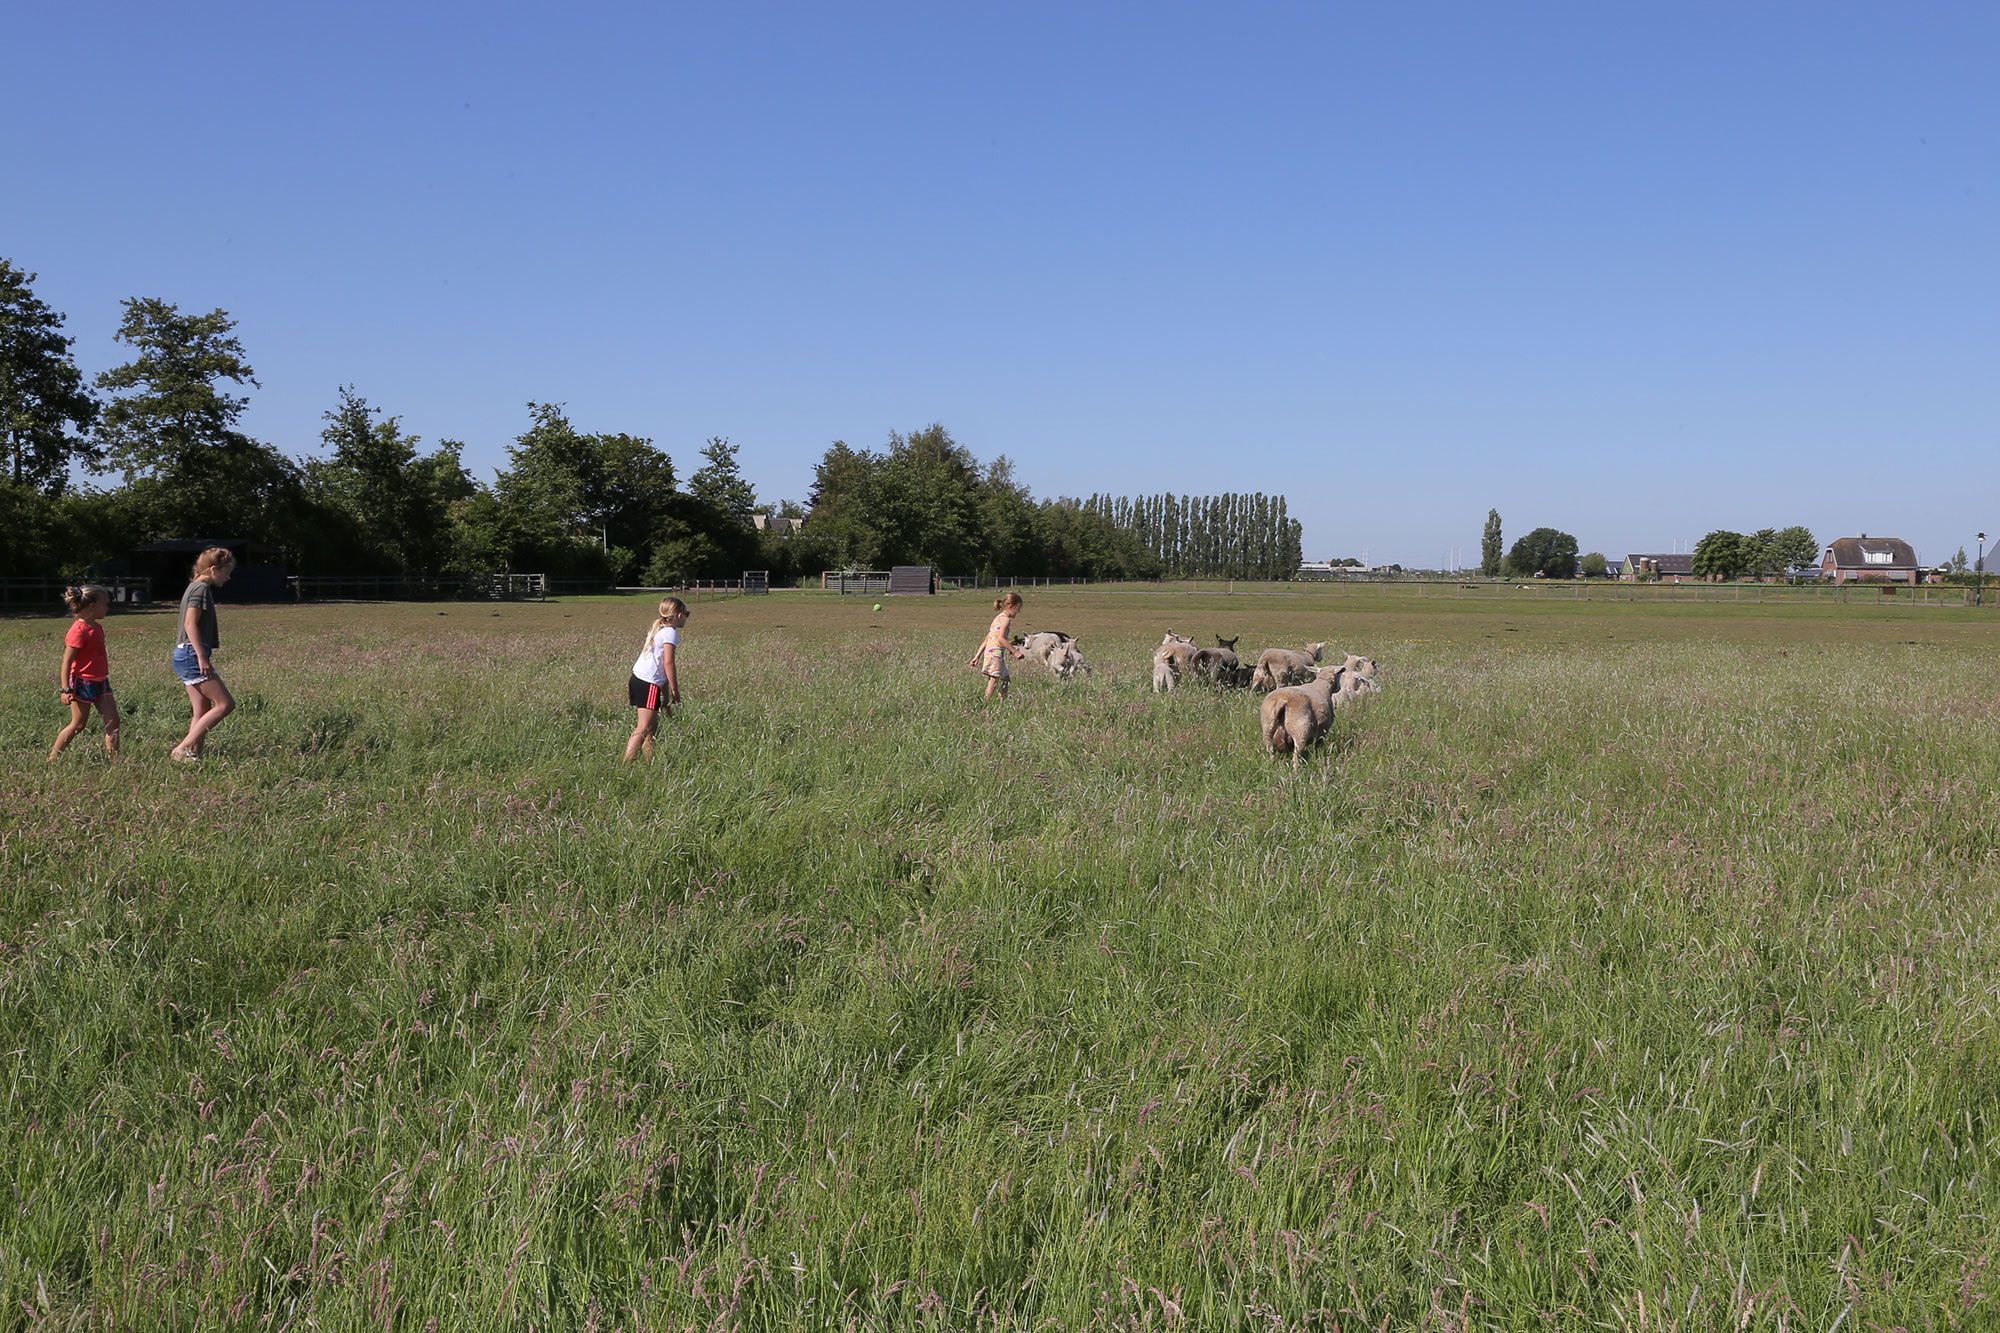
[1230, 644]
[1315, 651]
[1361, 667]
[1173, 640]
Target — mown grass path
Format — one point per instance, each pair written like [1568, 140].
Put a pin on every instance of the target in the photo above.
[1619, 966]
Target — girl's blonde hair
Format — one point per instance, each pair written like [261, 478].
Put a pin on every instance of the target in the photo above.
[669, 608]
[1005, 600]
[79, 595]
[214, 558]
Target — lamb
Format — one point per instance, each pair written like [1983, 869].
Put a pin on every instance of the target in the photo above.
[1172, 661]
[1055, 650]
[1285, 666]
[1361, 673]
[1292, 717]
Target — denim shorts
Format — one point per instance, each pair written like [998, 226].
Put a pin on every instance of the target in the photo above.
[89, 691]
[187, 665]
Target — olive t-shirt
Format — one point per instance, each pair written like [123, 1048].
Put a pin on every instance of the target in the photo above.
[201, 597]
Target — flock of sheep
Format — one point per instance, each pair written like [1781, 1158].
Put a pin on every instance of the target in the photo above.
[1300, 695]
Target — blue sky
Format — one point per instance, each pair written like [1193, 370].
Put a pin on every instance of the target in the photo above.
[1631, 273]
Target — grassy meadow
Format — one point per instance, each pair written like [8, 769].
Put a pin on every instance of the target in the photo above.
[1620, 966]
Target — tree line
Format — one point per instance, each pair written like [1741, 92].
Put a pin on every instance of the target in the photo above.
[154, 448]
[1229, 536]
[1722, 554]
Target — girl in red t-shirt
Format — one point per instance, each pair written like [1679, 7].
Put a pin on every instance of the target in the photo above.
[86, 670]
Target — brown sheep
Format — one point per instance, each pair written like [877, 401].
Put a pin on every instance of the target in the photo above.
[1297, 715]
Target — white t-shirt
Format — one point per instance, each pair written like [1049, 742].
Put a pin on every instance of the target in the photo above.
[647, 668]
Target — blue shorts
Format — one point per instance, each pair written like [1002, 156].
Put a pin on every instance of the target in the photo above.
[187, 666]
[89, 691]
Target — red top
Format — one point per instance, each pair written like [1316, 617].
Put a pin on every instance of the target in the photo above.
[90, 662]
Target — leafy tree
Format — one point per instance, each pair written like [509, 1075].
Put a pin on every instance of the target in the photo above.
[1722, 554]
[172, 415]
[1761, 554]
[31, 532]
[567, 493]
[1082, 540]
[172, 430]
[633, 491]
[843, 528]
[1594, 565]
[46, 412]
[395, 504]
[927, 494]
[1489, 545]
[1008, 516]
[1545, 552]
[1959, 562]
[682, 551]
[719, 483]
[1795, 547]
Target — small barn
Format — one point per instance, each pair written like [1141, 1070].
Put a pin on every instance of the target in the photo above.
[909, 580]
[1866, 559]
[258, 577]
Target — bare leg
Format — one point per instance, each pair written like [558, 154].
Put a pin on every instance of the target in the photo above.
[641, 741]
[79, 717]
[211, 702]
[108, 707]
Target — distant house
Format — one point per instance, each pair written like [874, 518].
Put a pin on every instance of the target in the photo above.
[1666, 568]
[1866, 559]
[784, 527]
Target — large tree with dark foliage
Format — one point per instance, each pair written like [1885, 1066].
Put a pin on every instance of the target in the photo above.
[1724, 555]
[170, 427]
[1489, 545]
[927, 498]
[574, 503]
[393, 505]
[45, 410]
[1546, 553]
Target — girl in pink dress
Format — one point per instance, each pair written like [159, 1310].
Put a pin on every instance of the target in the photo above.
[991, 659]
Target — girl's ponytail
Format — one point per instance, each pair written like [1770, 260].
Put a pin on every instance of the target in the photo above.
[669, 608]
[79, 595]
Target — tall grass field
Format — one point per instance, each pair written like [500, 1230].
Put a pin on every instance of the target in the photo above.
[1619, 966]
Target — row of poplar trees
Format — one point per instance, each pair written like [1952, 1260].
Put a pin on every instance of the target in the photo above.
[1229, 536]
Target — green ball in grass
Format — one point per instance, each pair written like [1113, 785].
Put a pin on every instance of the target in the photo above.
[878, 606]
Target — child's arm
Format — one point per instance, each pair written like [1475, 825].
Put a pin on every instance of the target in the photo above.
[670, 672]
[191, 625]
[62, 680]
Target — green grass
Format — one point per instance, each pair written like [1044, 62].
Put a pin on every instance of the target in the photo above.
[1622, 965]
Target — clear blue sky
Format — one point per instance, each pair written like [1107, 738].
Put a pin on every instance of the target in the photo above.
[1634, 274]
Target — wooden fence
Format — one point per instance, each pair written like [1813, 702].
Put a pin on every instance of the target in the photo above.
[46, 594]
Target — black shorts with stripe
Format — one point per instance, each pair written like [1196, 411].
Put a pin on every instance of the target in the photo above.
[645, 694]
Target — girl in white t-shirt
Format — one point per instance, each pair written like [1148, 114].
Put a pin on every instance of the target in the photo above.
[656, 682]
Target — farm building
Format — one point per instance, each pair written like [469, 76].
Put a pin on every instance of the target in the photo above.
[167, 564]
[1866, 559]
[1666, 568]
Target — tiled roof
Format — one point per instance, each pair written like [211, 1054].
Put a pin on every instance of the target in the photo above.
[1867, 553]
[1664, 564]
